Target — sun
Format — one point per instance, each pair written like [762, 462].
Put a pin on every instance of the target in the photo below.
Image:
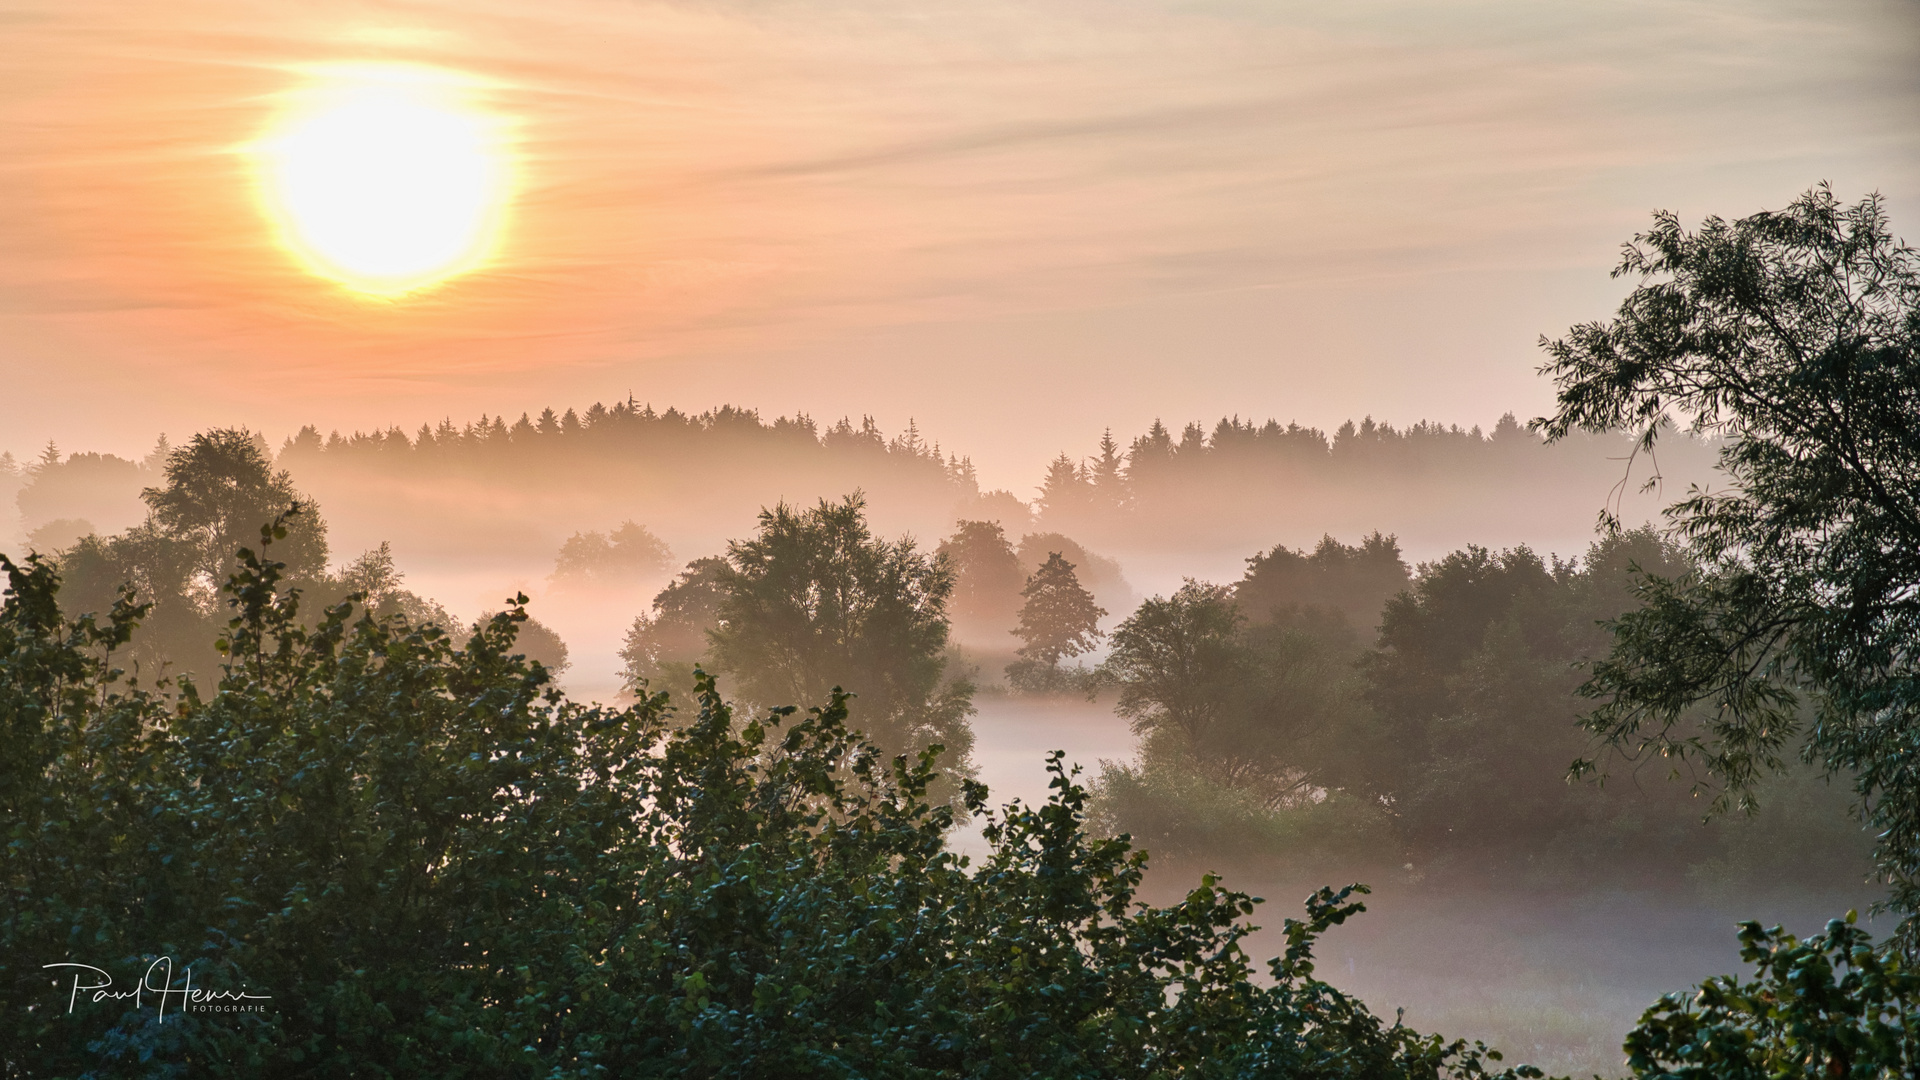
[386, 178]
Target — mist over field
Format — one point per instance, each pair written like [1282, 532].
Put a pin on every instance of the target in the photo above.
[477, 510]
[591, 512]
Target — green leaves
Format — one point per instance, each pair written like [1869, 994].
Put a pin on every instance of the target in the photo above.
[1830, 1006]
[1795, 336]
[437, 865]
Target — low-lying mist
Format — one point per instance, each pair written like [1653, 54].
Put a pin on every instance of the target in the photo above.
[1396, 616]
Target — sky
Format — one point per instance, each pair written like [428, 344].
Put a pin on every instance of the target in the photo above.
[1016, 224]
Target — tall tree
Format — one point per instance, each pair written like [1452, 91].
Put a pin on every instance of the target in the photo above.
[1066, 494]
[815, 601]
[664, 644]
[219, 489]
[1107, 476]
[1176, 661]
[1794, 336]
[1057, 619]
[986, 578]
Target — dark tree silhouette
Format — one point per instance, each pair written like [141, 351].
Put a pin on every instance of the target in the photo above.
[1058, 619]
[815, 601]
[1794, 335]
[1354, 581]
[986, 578]
[663, 645]
[220, 488]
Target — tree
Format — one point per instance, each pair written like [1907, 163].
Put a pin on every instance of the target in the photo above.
[1176, 662]
[1795, 337]
[815, 601]
[1099, 573]
[1832, 1005]
[1057, 619]
[379, 582]
[220, 488]
[1474, 714]
[1252, 708]
[1066, 494]
[537, 641]
[664, 644]
[1352, 581]
[217, 492]
[628, 552]
[986, 578]
[1108, 477]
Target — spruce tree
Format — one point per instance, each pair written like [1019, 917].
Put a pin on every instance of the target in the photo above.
[1058, 619]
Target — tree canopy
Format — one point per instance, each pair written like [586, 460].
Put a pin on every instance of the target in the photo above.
[815, 601]
[423, 860]
[1058, 619]
[220, 488]
[1353, 580]
[986, 577]
[626, 553]
[663, 644]
[1794, 335]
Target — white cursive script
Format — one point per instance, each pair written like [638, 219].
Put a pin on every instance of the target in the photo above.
[100, 987]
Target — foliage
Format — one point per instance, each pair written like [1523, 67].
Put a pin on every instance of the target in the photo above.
[1830, 1006]
[539, 642]
[1175, 662]
[1237, 722]
[1355, 581]
[74, 488]
[219, 488]
[815, 601]
[664, 644]
[1450, 736]
[627, 552]
[59, 534]
[1272, 709]
[1058, 619]
[1795, 336]
[1180, 810]
[1100, 574]
[377, 581]
[160, 567]
[217, 491]
[1475, 717]
[986, 578]
[436, 865]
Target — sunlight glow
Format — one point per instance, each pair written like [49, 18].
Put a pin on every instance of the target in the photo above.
[385, 178]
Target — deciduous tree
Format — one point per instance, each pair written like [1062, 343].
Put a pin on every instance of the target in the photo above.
[815, 601]
[1795, 337]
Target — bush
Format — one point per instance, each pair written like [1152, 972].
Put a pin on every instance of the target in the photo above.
[434, 864]
[1181, 812]
[1830, 1006]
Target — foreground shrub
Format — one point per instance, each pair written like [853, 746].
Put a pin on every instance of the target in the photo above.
[1830, 1006]
[420, 859]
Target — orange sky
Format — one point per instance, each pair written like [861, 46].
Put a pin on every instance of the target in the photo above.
[1014, 222]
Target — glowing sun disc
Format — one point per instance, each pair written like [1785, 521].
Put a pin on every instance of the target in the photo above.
[385, 181]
